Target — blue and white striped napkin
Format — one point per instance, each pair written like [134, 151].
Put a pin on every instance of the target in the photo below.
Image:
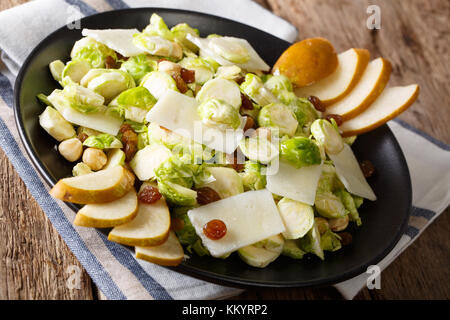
[114, 269]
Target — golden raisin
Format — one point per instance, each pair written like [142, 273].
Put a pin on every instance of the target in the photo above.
[149, 195]
[215, 229]
[207, 195]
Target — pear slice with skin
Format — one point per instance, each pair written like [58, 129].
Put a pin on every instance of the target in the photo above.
[372, 83]
[108, 215]
[336, 86]
[307, 61]
[389, 104]
[97, 187]
[169, 253]
[150, 227]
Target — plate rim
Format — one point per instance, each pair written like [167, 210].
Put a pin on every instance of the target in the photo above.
[182, 268]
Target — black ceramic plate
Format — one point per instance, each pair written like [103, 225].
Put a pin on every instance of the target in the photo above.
[383, 220]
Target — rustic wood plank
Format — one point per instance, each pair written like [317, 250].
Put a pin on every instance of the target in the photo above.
[414, 37]
[421, 272]
[34, 260]
[6, 4]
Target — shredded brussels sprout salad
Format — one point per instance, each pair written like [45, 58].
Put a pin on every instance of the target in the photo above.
[266, 176]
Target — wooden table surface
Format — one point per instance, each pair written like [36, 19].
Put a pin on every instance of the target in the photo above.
[414, 36]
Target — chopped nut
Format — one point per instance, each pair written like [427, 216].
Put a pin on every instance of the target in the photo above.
[71, 149]
[94, 158]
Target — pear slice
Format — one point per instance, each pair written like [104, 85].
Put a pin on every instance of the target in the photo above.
[108, 215]
[150, 227]
[97, 187]
[336, 86]
[169, 253]
[389, 104]
[307, 61]
[369, 87]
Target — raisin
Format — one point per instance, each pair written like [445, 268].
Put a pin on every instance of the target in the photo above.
[367, 168]
[187, 75]
[240, 80]
[130, 140]
[149, 195]
[246, 103]
[215, 229]
[181, 84]
[233, 161]
[317, 103]
[82, 136]
[125, 127]
[336, 118]
[129, 136]
[346, 238]
[121, 57]
[130, 150]
[110, 63]
[207, 195]
[177, 224]
[249, 124]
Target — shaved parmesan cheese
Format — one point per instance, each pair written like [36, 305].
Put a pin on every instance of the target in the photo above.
[99, 121]
[349, 172]
[120, 40]
[255, 63]
[250, 217]
[296, 184]
[178, 112]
